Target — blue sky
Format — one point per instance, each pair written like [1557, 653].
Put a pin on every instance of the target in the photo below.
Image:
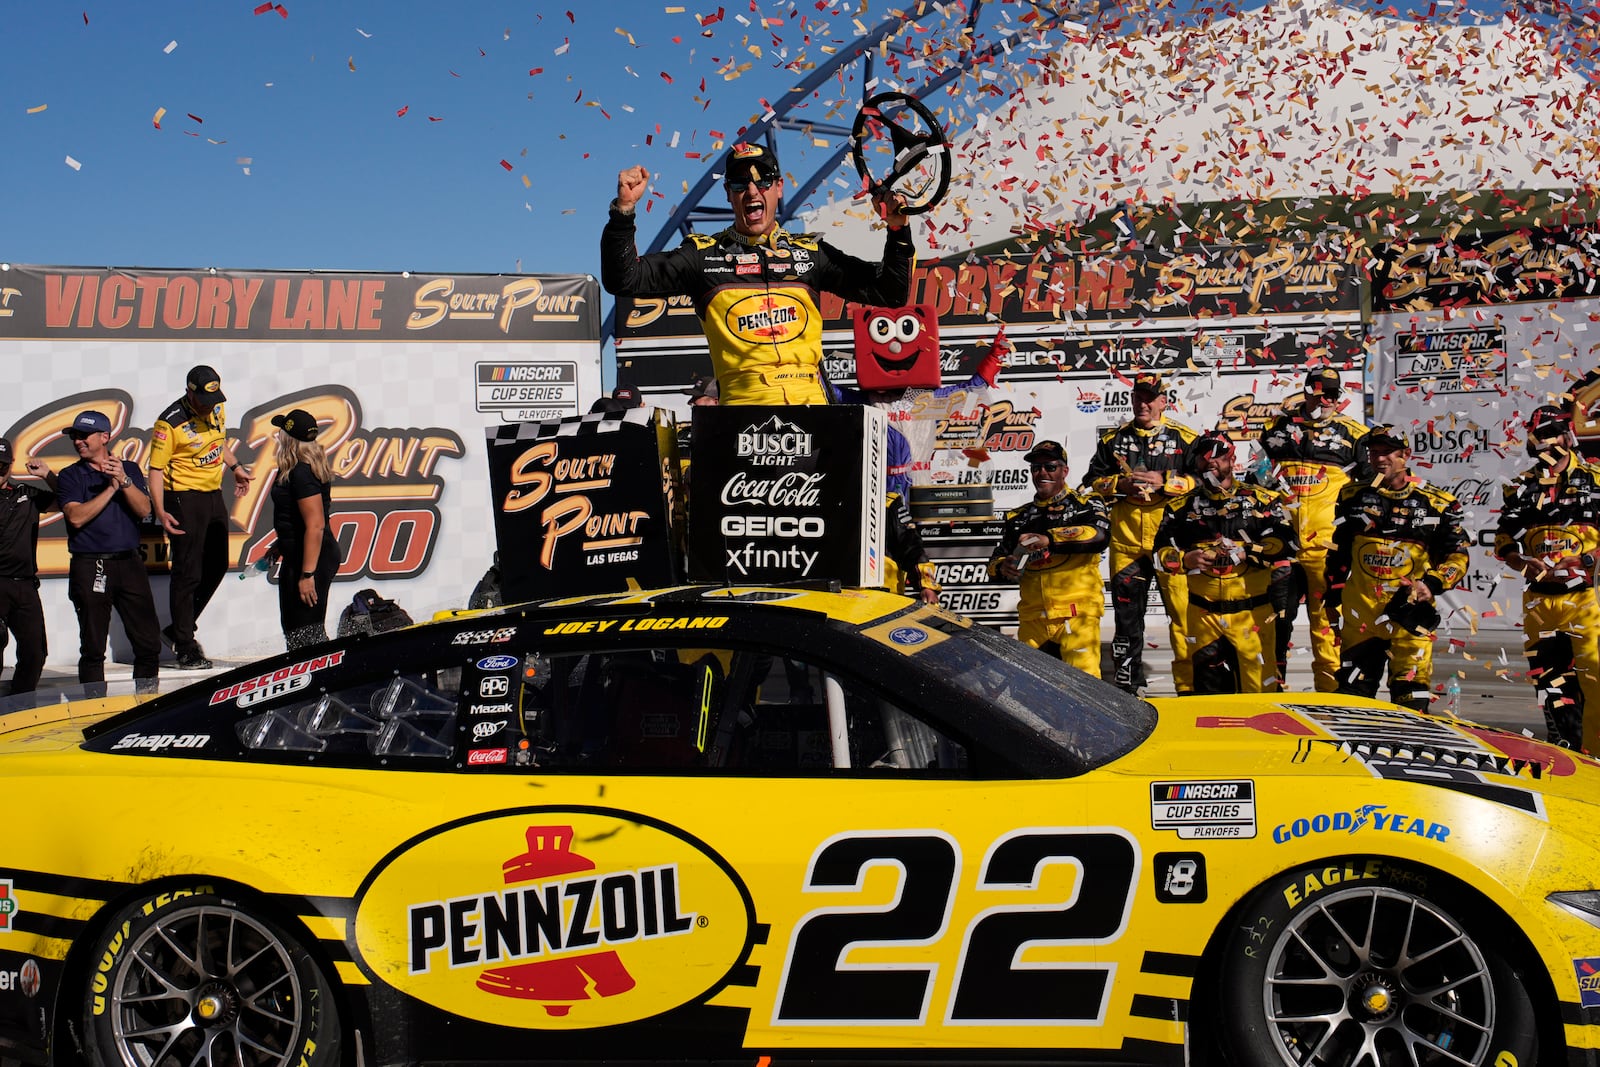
[335, 178]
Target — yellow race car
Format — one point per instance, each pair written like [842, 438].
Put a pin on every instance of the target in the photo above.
[779, 826]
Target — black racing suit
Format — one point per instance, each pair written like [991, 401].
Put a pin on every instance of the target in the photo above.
[1553, 517]
[1135, 518]
[1231, 617]
[757, 298]
[1380, 537]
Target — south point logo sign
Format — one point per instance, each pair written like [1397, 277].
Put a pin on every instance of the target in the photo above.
[554, 919]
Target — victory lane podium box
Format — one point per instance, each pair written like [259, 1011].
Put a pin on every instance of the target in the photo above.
[581, 505]
[787, 494]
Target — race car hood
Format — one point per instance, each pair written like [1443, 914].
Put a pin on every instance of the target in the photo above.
[1303, 733]
[56, 726]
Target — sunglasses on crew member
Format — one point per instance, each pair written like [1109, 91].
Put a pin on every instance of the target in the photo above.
[738, 187]
[1051, 467]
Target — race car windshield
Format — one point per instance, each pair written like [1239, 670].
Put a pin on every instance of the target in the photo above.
[1093, 722]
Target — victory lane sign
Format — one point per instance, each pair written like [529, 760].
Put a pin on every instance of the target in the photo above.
[784, 494]
[583, 504]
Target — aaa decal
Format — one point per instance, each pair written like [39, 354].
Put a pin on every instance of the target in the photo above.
[554, 919]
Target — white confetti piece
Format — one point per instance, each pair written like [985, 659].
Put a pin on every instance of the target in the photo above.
[74, 164]
[170, 46]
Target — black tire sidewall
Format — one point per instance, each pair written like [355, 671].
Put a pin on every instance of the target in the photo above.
[1248, 1035]
[317, 1040]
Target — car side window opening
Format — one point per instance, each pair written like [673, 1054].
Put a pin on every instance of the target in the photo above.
[720, 711]
[401, 715]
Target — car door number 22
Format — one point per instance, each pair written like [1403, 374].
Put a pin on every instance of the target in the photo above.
[990, 986]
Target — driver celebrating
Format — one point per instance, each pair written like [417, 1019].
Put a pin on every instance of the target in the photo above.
[754, 284]
[1550, 531]
[1052, 547]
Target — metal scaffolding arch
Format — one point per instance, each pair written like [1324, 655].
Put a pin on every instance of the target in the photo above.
[694, 213]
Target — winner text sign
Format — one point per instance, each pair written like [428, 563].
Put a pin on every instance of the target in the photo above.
[785, 494]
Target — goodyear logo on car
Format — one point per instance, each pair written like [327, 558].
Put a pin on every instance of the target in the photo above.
[554, 919]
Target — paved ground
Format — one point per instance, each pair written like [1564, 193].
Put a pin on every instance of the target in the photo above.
[1488, 665]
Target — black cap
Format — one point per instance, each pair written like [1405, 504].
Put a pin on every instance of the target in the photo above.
[1046, 450]
[5, 450]
[1213, 443]
[1386, 436]
[298, 424]
[1548, 421]
[1324, 380]
[629, 395]
[1149, 382]
[207, 382]
[751, 162]
[703, 387]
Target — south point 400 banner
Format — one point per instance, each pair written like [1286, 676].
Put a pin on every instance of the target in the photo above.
[402, 371]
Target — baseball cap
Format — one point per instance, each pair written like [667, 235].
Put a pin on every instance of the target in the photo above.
[1324, 380]
[1386, 436]
[751, 161]
[1548, 421]
[1149, 382]
[207, 382]
[1213, 443]
[1046, 451]
[703, 387]
[88, 422]
[629, 395]
[298, 424]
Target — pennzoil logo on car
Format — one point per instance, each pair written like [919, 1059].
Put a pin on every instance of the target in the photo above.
[566, 919]
[276, 683]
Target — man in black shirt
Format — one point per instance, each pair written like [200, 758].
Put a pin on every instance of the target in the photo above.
[20, 610]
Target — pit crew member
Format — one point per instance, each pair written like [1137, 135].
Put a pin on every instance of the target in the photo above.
[1398, 543]
[1052, 547]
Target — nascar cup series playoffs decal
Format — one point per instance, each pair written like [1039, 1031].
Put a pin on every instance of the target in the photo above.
[1204, 809]
[554, 919]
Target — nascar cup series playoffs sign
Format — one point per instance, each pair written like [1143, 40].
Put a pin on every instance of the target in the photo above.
[785, 494]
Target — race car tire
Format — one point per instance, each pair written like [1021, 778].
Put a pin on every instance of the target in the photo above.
[1360, 961]
[189, 977]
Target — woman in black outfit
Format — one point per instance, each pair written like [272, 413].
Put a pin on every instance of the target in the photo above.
[301, 503]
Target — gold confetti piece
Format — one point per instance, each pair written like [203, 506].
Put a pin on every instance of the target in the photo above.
[674, 10]
[159, 115]
[352, 62]
[527, 183]
[36, 110]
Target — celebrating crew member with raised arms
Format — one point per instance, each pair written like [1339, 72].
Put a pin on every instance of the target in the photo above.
[1142, 467]
[1398, 543]
[1550, 531]
[1052, 547]
[1232, 541]
[754, 284]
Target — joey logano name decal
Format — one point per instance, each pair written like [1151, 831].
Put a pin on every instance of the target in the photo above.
[554, 919]
[276, 683]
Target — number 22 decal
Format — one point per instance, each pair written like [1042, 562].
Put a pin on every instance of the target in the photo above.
[991, 985]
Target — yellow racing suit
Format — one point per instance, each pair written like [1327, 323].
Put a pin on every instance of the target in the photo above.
[1231, 620]
[1555, 517]
[1164, 447]
[757, 298]
[1383, 536]
[1314, 460]
[1062, 599]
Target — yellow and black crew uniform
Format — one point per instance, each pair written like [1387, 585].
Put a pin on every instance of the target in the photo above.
[1382, 538]
[1135, 518]
[1550, 522]
[1062, 598]
[1244, 536]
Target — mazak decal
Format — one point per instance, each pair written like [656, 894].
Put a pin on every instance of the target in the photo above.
[554, 919]
[276, 683]
[8, 903]
[1204, 809]
[1376, 817]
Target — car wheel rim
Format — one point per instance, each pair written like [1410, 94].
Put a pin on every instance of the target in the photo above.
[206, 987]
[1377, 977]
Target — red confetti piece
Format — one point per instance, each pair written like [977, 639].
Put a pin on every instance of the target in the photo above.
[535, 70]
[86, 18]
[453, 74]
[435, 118]
[281, 10]
[571, 19]
[262, 9]
[666, 77]
[506, 165]
[197, 118]
[401, 113]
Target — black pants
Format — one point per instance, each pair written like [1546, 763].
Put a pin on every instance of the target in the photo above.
[95, 586]
[23, 615]
[304, 624]
[199, 560]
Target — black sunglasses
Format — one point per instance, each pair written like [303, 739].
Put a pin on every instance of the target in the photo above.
[738, 187]
[1051, 467]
